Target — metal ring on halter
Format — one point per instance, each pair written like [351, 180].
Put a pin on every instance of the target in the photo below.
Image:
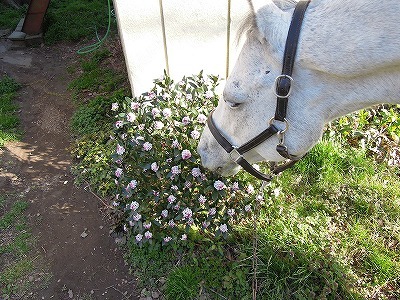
[235, 155]
[271, 122]
[276, 86]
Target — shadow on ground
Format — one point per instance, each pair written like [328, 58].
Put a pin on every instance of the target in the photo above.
[72, 235]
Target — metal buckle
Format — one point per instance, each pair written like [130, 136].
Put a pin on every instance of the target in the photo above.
[285, 121]
[281, 138]
[234, 153]
[276, 86]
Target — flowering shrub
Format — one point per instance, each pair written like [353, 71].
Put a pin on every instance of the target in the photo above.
[163, 192]
[376, 129]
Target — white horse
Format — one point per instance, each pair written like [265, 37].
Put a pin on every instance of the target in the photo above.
[348, 58]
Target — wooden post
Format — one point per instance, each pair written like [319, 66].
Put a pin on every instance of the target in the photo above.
[35, 16]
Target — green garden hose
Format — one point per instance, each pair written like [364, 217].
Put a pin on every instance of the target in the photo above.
[96, 45]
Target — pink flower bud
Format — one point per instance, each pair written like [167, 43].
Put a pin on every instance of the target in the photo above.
[186, 154]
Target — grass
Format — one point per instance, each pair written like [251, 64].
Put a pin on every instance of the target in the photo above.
[328, 232]
[94, 90]
[10, 218]
[187, 274]
[183, 283]
[75, 20]
[23, 268]
[65, 20]
[16, 245]
[16, 239]
[329, 229]
[9, 120]
[9, 17]
[97, 79]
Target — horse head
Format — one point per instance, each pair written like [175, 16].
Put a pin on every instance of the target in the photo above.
[322, 90]
[249, 101]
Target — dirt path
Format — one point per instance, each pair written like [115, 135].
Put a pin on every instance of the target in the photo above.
[72, 236]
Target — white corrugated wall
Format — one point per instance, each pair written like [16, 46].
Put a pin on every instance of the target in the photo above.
[182, 36]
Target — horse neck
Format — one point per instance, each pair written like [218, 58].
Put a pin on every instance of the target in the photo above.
[332, 97]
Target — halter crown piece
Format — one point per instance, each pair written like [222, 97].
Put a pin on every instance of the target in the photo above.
[283, 89]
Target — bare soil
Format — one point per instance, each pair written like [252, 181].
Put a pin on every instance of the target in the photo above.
[72, 235]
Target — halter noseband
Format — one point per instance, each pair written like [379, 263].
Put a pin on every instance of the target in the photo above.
[283, 88]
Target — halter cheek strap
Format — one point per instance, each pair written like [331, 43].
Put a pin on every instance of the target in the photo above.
[283, 83]
[283, 89]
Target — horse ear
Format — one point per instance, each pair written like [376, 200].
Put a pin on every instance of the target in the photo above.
[284, 5]
[271, 17]
[255, 5]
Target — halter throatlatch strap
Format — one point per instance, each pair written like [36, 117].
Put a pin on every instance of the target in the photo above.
[283, 88]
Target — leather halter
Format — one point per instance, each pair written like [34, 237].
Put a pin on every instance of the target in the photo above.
[283, 88]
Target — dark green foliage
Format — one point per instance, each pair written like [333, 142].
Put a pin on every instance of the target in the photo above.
[73, 20]
[8, 85]
[13, 214]
[9, 17]
[95, 89]
[183, 283]
[93, 159]
[149, 263]
[9, 120]
[16, 243]
[94, 116]
[98, 78]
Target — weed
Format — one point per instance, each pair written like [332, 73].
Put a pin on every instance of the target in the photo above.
[149, 264]
[84, 19]
[97, 81]
[376, 129]
[183, 283]
[92, 121]
[93, 156]
[16, 243]
[13, 215]
[323, 235]
[12, 273]
[9, 120]
[88, 118]
[10, 16]
[8, 85]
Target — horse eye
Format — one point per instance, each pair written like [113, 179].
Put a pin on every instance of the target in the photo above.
[232, 104]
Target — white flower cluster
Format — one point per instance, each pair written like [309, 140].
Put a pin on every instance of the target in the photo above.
[155, 137]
